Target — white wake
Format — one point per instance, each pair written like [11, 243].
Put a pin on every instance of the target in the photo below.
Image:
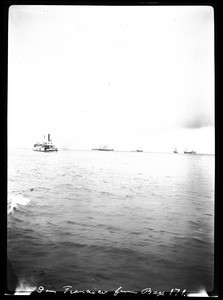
[14, 201]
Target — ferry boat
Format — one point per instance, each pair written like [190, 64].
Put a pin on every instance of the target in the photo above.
[45, 146]
[190, 152]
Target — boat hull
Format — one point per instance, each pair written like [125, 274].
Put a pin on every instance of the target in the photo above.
[45, 150]
[103, 149]
[190, 152]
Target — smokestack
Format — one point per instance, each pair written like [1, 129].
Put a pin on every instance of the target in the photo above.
[48, 137]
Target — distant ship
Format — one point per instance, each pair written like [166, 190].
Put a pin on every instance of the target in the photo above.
[103, 148]
[137, 150]
[45, 146]
[175, 150]
[190, 152]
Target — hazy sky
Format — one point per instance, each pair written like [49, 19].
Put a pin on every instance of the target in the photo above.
[128, 77]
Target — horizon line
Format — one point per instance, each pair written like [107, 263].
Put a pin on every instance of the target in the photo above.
[118, 150]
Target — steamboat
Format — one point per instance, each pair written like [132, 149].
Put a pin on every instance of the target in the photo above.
[45, 146]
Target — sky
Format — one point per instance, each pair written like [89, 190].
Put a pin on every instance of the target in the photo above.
[128, 77]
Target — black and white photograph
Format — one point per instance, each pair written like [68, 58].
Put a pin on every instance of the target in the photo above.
[111, 149]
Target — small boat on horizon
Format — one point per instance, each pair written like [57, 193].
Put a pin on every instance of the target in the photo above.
[175, 150]
[190, 152]
[103, 148]
[45, 146]
[137, 150]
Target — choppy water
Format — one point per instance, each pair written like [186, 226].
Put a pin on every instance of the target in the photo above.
[100, 220]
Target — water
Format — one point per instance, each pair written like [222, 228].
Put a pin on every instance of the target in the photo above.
[100, 220]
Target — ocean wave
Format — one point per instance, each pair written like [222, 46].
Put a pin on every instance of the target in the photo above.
[200, 240]
[15, 200]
